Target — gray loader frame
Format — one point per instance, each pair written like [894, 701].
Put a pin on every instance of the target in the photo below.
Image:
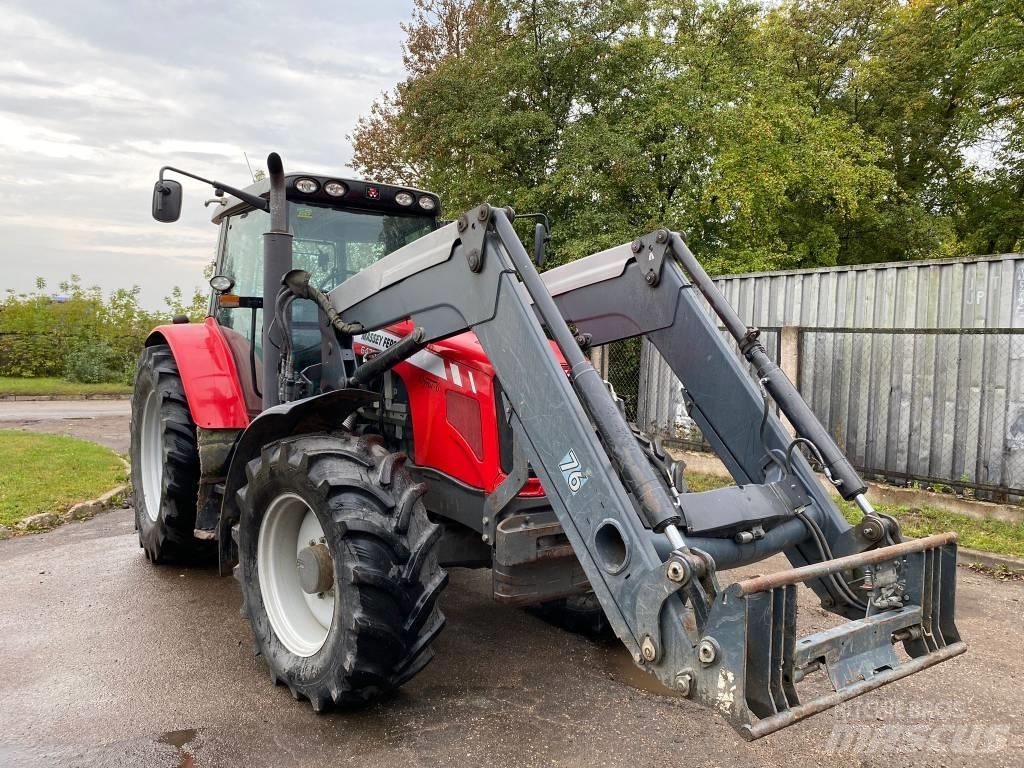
[652, 564]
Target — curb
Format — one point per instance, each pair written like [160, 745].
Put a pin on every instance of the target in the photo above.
[1014, 565]
[83, 510]
[46, 521]
[62, 398]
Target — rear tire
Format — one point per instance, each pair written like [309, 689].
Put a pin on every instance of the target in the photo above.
[371, 631]
[164, 461]
[579, 614]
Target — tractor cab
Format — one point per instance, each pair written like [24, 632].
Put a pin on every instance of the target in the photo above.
[339, 227]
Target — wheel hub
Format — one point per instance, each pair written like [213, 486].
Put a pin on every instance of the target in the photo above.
[316, 569]
[296, 575]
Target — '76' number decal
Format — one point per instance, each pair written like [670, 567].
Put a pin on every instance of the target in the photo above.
[574, 476]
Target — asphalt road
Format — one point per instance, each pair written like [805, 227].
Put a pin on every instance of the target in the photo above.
[102, 421]
[106, 660]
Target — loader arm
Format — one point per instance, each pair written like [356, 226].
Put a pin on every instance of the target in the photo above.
[653, 567]
[640, 288]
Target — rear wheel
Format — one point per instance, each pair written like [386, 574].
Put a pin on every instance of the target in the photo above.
[337, 567]
[165, 461]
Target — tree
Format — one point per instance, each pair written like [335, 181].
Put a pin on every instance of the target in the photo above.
[817, 133]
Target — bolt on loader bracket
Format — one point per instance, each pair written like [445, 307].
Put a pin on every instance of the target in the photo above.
[650, 255]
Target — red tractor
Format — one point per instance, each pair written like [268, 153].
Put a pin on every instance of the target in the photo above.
[377, 395]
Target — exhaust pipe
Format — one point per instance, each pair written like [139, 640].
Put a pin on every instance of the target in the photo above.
[277, 261]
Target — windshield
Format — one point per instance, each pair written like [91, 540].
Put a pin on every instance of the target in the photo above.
[330, 244]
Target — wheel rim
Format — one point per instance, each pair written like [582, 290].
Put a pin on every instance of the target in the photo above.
[152, 458]
[301, 621]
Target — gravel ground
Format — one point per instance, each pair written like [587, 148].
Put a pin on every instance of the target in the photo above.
[106, 660]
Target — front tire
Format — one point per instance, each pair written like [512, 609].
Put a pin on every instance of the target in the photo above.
[164, 461]
[364, 626]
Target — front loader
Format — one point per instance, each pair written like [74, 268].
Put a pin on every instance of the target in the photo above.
[407, 396]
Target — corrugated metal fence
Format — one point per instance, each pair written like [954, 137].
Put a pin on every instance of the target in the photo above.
[917, 369]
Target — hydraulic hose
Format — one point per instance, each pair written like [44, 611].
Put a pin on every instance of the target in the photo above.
[297, 281]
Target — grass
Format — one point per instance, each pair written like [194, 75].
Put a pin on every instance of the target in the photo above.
[13, 385]
[995, 536]
[51, 473]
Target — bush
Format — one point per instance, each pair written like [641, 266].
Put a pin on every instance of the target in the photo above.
[79, 333]
[89, 362]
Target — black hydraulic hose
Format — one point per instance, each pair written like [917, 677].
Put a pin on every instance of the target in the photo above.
[842, 588]
[388, 359]
[637, 474]
[297, 281]
[775, 381]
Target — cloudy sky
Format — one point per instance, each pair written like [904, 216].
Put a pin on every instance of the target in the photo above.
[96, 96]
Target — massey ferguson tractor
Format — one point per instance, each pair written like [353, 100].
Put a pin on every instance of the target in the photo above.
[378, 395]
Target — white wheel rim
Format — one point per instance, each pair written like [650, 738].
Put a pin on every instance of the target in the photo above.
[151, 442]
[301, 621]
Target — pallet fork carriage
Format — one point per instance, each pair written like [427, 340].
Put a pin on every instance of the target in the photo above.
[650, 554]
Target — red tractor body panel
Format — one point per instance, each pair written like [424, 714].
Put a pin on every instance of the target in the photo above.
[208, 373]
[450, 385]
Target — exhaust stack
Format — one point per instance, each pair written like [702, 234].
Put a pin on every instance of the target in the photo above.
[277, 261]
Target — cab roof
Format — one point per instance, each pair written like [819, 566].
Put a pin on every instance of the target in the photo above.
[358, 195]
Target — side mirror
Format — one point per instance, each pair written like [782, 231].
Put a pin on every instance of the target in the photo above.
[540, 238]
[167, 200]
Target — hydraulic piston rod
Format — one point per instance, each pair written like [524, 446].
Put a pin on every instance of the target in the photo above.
[779, 386]
[659, 512]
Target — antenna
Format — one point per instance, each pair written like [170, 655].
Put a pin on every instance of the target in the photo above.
[250, 166]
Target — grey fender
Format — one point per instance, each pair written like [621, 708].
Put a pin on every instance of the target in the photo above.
[322, 413]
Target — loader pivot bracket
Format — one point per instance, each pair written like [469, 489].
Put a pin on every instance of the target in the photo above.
[684, 570]
[650, 255]
[472, 227]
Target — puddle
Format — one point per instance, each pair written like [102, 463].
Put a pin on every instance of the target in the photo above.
[179, 740]
[621, 667]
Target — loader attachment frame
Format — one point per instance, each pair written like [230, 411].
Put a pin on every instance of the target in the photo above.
[653, 565]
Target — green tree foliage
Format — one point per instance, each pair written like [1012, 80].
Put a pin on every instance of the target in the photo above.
[811, 133]
[78, 333]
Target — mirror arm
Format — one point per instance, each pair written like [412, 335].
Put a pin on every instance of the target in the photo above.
[256, 202]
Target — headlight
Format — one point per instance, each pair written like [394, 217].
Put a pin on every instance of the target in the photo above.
[427, 203]
[404, 198]
[222, 283]
[306, 186]
[335, 188]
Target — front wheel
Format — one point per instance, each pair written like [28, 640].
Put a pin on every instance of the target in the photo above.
[165, 461]
[338, 572]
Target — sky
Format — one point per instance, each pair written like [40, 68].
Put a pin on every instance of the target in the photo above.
[96, 96]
